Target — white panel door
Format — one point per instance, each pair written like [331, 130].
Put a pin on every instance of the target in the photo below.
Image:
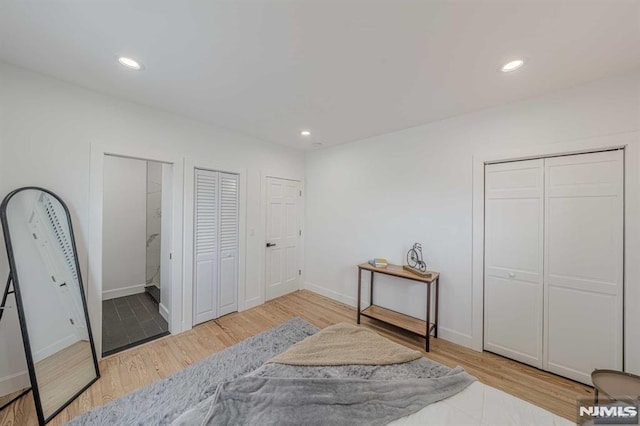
[206, 246]
[229, 222]
[583, 263]
[514, 231]
[283, 237]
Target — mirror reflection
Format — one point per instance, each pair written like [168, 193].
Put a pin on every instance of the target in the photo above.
[52, 301]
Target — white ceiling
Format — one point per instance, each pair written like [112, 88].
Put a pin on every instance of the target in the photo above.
[345, 69]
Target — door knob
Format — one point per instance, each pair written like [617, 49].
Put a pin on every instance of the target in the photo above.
[271, 244]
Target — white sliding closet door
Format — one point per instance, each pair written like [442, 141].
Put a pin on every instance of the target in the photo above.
[206, 246]
[514, 215]
[583, 263]
[228, 289]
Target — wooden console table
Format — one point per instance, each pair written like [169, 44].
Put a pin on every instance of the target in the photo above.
[406, 322]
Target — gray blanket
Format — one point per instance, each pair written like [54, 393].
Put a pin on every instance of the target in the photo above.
[163, 401]
[277, 394]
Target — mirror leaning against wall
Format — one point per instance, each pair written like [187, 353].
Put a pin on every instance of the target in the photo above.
[45, 277]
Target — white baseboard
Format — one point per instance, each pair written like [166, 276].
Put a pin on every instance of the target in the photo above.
[443, 332]
[252, 303]
[14, 382]
[455, 337]
[164, 312]
[55, 347]
[348, 300]
[122, 292]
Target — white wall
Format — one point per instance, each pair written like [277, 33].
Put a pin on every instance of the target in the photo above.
[376, 197]
[13, 365]
[125, 220]
[46, 130]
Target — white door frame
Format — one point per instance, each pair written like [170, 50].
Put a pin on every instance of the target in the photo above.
[267, 173]
[94, 277]
[631, 143]
[190, 164]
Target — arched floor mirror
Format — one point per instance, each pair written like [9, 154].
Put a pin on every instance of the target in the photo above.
[46, 281]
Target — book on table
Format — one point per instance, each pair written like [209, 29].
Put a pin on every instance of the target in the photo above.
[379, 262]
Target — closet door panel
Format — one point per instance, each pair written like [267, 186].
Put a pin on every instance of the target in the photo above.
[584, 263]
[511, 321]
[229, 222]
[513, 245]
[577, 337]
[513, 260]
[583, 241]
[206, 246]
[204, 297]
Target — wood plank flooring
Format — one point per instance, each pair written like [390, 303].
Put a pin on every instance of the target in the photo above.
[63, 374]
[140, 366]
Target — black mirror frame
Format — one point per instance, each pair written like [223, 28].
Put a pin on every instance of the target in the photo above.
[21, 317]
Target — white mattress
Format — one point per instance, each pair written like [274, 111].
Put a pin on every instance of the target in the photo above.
[480, 404]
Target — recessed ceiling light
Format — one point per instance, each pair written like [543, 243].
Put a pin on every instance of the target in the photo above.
[129, 63]
[305, 133]
[512, 65]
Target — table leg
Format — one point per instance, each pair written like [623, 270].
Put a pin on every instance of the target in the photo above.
[371, 288]
[426, 346]
[359, 292]
[435, 328]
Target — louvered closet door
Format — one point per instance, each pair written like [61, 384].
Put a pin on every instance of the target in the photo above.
[584, 263]
[513, 282]
[228, 288]
[206, 246]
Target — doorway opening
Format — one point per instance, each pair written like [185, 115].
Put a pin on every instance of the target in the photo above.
[136, 274]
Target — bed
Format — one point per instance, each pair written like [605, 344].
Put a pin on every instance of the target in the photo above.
[296, 374]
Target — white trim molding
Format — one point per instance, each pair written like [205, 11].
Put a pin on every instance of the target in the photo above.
[14, 382]
[443, 332]
[164, 312]
[331, 294]
[631, 143]
[454, 336]
[94, 276]
[190, 164]
[55, 347]
[122, 292]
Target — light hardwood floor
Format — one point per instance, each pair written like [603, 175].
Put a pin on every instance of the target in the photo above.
[63, 374]
[140, 366]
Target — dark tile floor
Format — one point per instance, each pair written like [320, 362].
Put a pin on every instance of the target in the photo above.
[130, 320]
